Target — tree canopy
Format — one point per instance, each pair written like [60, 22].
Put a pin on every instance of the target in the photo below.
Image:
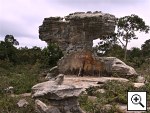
[126, 28]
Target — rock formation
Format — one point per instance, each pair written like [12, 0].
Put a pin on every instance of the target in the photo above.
[115, 66]
[60, 98]
[74, 34]
[76, 31]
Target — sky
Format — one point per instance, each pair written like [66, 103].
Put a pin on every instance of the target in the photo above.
[21, 18]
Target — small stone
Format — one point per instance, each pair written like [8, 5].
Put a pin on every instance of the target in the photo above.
[107, 107]
[140, 79]
[22, 103]
[92, 98]
[59, 79]
[138, 85]
[100, 91]
[40, 106]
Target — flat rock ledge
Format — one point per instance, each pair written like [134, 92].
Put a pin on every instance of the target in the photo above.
[56, 98]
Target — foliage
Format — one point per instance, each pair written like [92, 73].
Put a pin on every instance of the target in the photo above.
[135, 57]
[7, 49]
[51, 54]
[146, 49]
[22, 78]
[116, 91]
[126, 28]
[29, 55]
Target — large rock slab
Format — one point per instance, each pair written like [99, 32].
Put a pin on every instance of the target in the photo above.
[87, 82]
[59, 98]
[57, 92]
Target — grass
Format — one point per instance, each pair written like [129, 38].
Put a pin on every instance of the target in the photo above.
[8, 104]
[22, 78]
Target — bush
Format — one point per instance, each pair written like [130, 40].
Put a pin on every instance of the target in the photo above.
[117, 91]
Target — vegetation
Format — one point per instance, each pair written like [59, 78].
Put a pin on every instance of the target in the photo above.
[21, 68]
[127, 27]
[115, 94]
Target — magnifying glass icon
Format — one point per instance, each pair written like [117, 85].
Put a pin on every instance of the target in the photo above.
[136, 99]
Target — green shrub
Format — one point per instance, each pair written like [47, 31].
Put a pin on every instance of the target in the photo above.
[117, 91]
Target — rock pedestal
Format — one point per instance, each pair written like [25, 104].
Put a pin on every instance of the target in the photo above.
[74, 34]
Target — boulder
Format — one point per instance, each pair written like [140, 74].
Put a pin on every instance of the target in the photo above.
[59, 98]
[116, 66]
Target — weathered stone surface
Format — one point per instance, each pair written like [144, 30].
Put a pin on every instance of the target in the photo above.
[57, 92]
[115, 66]
[44, 88]
[87, 82]
[77, 30]
[40, 106]
[59, 97]
[92, 65]
[43, 108]
[81, 62]
[74, 34]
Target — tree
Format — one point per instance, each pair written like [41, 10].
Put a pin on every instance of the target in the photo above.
[126, 28]
[146, 49]
[8, 51]
[106, 43]
[10, 39]
[135, 56]
[29, 55]
[51, 54]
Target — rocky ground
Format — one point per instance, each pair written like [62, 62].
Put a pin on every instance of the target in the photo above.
[89, 90]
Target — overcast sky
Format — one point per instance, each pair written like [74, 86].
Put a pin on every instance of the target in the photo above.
[21, 18]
